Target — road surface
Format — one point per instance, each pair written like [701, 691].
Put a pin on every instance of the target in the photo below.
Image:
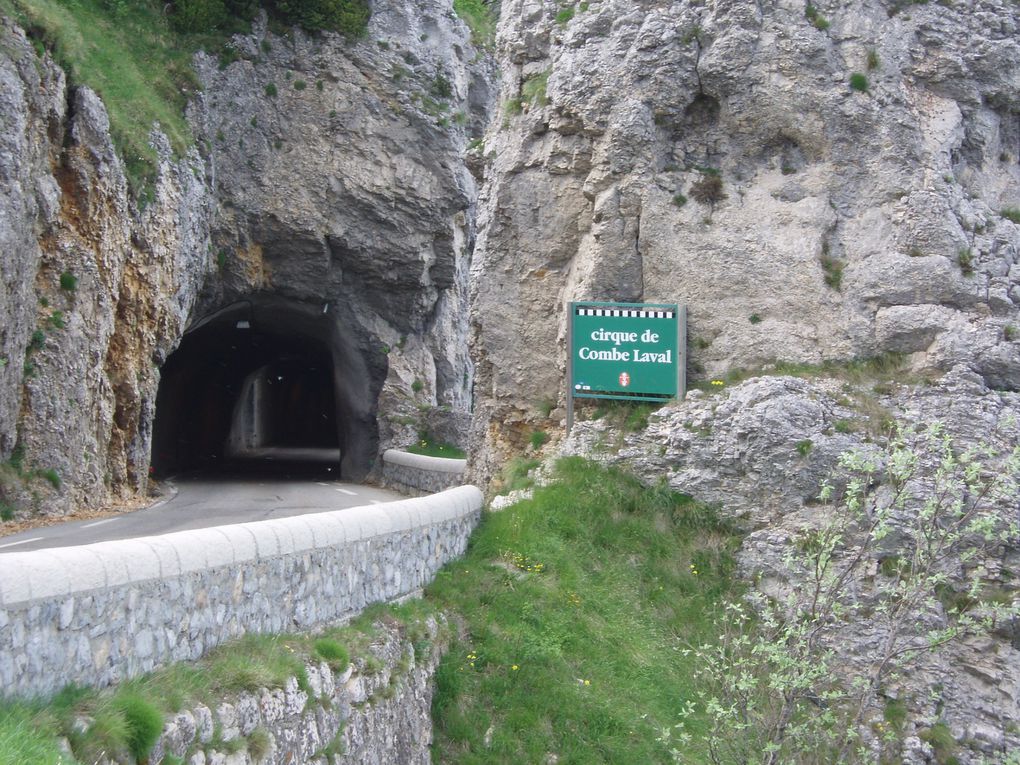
[201, 502]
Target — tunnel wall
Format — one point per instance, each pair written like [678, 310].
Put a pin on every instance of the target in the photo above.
[99, 614]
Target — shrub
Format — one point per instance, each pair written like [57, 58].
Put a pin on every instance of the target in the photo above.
[534, 89]
[565, 15]
[965, 258]
[441, 86]
[679, 200]
[37, 341]
[754, 318]
[52, 476]
[300, 84]
[332, 653]
[143, 721]
[1011, 213]
[6, 512]
[56, 320]
[198, 15]
[1010, 332]
[417, 386]
[271, 90]
[873, 60]
[259, 744]
[708, 189]
[804, 447]
[68, 281]
[833, 269]
[859, 82]
[818, 21]
[479, 19]
[349, 17]
[538, 439]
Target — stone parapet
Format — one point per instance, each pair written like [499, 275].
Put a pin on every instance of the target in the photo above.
[99, 614]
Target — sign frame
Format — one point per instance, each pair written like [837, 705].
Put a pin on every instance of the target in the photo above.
[678, 311]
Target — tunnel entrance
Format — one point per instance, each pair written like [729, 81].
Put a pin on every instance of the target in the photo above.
[266, 385]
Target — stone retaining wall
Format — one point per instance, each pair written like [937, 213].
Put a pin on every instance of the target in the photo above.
[98, 614]
[417, 473]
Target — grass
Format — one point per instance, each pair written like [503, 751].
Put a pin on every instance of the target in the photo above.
[480, 20]
[1011, 214]
[859, 82]
[538, 439]
[534, 89]
[26, 736]
[132, 57]
[575, 604]
[833, 270]
[431, 448]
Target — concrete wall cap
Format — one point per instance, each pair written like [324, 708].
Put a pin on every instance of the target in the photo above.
[423, 462]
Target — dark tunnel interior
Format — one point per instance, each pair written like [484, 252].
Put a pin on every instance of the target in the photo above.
[260, 387]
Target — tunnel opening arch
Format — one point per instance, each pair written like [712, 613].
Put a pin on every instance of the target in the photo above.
[268, 380]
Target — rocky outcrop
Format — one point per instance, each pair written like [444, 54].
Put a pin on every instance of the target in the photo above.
[820, 184]
[327, 181]
[96, 290]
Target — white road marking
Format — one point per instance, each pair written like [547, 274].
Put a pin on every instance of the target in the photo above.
[348, 492]
[99, 523]
[22, 542]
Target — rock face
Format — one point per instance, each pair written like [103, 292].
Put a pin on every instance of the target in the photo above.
[96, 291]
[845, 221]
[327, 181]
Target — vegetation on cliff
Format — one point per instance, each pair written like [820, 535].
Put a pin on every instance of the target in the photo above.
[137, 54]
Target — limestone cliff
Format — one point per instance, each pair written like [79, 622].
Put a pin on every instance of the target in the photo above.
[868, 186]
[327, 177]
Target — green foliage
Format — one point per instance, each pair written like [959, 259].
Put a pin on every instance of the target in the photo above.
[143, 723]
[441, 86]
[754, 318]
[859, 82]
[332, 653]
[516, 474]
[36, 341]
[804, 447]
[51, 476]
[198, 15]
[417, 386]
[776, 674]
[271, 90]
[349, 17]
[873, 60]
[431, 448]
[259, 744]
[1010, 332]
[533, 91]
[300, 84]
[965, 259]
[28, 736]
[942, 742]
[574, 604]
[818, 21]
[68, 281]
[565, 15]
[479, 18]
[538, 439]
[6, 512]
[1011, 213]
[833, 269]
[56, 320]
[679, 200]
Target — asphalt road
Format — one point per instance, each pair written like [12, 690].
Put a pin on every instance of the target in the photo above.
[199, 503]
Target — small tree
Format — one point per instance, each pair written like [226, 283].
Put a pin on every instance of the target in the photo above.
[903, 553]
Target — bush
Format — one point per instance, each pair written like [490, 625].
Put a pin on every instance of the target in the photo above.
[332, 653]
[349, 17]
[1011, 213]
[68, 281]
[708, 189]
[538, 439]
[859, 82]
[271, 90]
[143, 722]
[479, 19]
[198, 15]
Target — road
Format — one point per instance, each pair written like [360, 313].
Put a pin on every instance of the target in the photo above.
[199, 503]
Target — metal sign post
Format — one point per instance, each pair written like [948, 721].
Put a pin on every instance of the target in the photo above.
[626, 351]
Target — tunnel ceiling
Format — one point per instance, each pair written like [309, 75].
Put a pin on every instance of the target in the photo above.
[266, 380]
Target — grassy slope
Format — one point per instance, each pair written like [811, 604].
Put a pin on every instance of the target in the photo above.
[576, 605]
[132, 57]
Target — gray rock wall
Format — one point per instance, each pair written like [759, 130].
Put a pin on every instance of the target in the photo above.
[98, 614]
[848, 223]
[353, 714]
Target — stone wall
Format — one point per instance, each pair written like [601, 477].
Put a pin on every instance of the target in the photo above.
[359, 714]
[99, 614]
[417, 473]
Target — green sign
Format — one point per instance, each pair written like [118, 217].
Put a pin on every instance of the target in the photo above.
[627, 350]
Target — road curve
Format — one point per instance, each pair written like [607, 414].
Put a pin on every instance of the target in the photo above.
[198, 503]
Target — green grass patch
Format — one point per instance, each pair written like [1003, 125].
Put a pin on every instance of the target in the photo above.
[480, 20]
[534, 89]
[575, 606]
[28, 735]
[859, 82]
[431, 448]
[1011, 214]
[132, 57]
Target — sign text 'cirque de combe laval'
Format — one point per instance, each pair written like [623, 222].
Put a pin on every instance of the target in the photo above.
[627, 350]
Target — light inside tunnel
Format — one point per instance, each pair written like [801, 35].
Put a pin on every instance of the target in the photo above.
[264, 383]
